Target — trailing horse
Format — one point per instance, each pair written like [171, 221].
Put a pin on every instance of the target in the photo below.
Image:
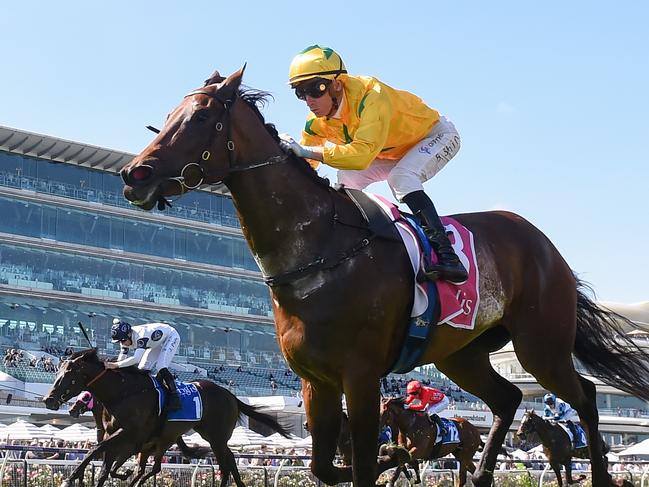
[418, 435]
[557, 445]
[342, 296]
[131, 398]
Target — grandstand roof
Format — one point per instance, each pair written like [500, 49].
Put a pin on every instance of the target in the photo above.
[69, 152]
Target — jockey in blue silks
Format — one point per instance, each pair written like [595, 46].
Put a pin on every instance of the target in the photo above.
[556, 409]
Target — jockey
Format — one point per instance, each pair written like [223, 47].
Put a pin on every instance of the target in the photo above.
[558, 410]
[155, 344]
[375, 133]
[429, 399]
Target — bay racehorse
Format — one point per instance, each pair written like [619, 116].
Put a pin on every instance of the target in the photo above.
[130, 397]
[417, 434]
[557, 446]
[342, 298]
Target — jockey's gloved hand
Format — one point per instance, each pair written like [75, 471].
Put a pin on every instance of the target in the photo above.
[288, 143]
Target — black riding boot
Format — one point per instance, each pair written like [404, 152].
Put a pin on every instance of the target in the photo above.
[440, 424]
[448, 266]
[173, 401]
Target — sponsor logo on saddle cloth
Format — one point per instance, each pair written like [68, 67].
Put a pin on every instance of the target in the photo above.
[190, 399]
[582, 441]
[458, 302]
[452, 433]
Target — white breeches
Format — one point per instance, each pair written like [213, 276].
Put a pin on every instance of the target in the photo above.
[155, 359]
[417, 166]
[571, 416]
[436, 408]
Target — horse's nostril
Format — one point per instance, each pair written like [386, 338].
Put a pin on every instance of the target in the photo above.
[140, 173]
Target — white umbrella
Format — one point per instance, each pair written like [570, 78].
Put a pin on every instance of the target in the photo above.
[48, 428]
[23, 430]
[519, 454]
[304, 442]
[244, 438]
[76, 432]
[639, 449]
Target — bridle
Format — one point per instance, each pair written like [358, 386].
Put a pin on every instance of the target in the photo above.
[225, 125]
[73, 382]
[206, 154]
[526, 427]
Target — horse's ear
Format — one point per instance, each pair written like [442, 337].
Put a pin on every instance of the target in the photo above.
[230, 85]
[214, 78]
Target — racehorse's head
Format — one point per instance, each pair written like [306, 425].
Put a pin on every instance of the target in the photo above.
[204, 139]
[527, 426]
[83, 404]
[389, 409]
[74, 375]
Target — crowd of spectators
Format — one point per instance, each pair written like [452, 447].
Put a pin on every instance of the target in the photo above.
[15, 357]
[36, 452]
[74, 281]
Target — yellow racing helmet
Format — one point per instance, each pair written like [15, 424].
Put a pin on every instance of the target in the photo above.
[315, 62]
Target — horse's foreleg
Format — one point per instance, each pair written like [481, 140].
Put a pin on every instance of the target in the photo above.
[121, 459]
[78, 472]
[322, 403]
[556, 467]
[363, 398]
[157, 466]
[471, 370]
[141, 464]
[415, 467]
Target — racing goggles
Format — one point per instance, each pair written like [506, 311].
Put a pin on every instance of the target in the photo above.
[314, 89]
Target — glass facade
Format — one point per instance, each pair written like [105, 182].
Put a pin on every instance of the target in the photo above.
[81, 183]
[46, 290]
[118, 279]
[84, 227]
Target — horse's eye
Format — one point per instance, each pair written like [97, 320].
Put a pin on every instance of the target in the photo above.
[202, 116]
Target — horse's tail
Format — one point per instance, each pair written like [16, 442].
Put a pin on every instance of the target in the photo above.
[602, 346]
[254, 413]
[192, 451]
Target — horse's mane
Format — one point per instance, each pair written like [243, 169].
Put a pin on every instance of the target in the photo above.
[256, 99]
[399, 400]
[88, 353]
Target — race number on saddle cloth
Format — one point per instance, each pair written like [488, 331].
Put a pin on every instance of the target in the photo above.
[190, 399]
[458, 302]
[452, 433]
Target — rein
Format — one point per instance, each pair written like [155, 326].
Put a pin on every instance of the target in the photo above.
[319, 264]
[97, 377]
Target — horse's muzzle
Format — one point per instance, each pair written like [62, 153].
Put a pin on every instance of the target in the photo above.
[51, 403]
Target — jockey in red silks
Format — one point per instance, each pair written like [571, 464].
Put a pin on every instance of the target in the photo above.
[429, 399]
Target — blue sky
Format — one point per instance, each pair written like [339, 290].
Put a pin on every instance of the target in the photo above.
[550, 98]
